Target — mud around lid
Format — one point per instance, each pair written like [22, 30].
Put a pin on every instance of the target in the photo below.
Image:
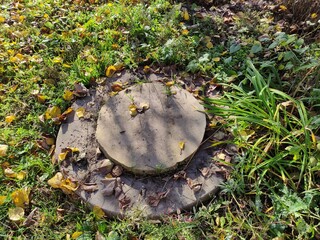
[167, 128]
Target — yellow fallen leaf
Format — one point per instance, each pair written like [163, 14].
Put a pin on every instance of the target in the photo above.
[109, 175]
[314, 15]
[50, 140]
[185, 15]
[41, 98]
[8, 172]
[62, 156]
[66, 185]
[216, 59]
[52, 112]
[75, 235]
[21, 18]
[119, 66]
[209, 45]
[57, 60]
[80, 112]
[283, 7]
[3, 150]
[98, 212]
[10, 118]
[146, 69]
[2, 19]
[56, 180]
[21, 175]
[170, 83]
[16, 214]
[67, 95]
[110, 71]
[181, 145]
[185, 32]
[74, 149]
[20, 197]
[2, 199]
[133, 110]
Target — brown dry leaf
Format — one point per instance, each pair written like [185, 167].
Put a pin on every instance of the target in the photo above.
[180, 175]
[29, 220]
[20, 197]
[3, 150]
[63, 116]
[109, 188]
[90, 187]
[117, 87]
[154, 199]
[124, 202]
[50, 140]
[117, 171]
[2, 200]
[80, 90]
[16, 214]
[80, 112]
[110, 71]
[98, 212]
[67, 95]
[99, 236]
[10, 118]
[194, 185]
[206, 172]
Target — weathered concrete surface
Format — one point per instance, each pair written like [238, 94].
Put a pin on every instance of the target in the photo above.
[158, 138]
[155, 196]
[127, 194]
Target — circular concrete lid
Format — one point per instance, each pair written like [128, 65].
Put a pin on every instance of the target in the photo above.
[150, 128]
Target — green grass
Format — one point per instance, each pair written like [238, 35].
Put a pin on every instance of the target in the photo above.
[269, 103]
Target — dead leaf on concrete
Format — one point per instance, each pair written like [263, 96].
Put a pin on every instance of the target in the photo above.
[109, 187]
[154, 199]
[180, 175]
[206, 172]
[124, 202]
[117, 171]
[89, 187]
[80, 90]
[194, 185]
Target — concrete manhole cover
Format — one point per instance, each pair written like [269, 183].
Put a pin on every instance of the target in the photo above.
[168, 129]
[139, 152]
